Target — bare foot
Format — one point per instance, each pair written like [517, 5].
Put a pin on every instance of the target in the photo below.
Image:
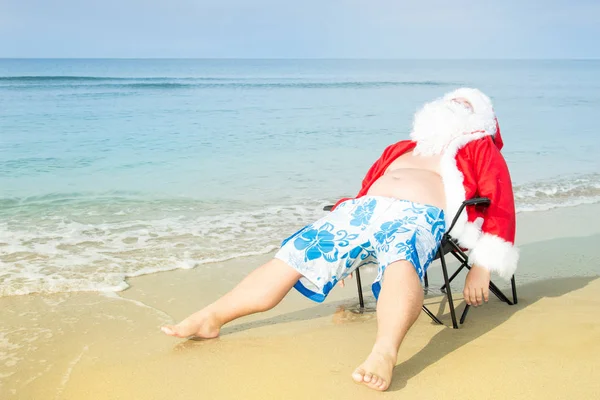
[201, 324]
[376, 371]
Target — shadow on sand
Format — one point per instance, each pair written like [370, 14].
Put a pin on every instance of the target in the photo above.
[479, 321]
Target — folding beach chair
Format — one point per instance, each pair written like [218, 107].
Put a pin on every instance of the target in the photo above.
[450, 245]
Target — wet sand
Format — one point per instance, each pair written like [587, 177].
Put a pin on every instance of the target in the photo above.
[108, 346]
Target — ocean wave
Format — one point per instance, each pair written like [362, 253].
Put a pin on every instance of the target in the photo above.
[63, 242]
[83, 79]
[274, 85]
[559, 192]
[79, 244]
[158, 83]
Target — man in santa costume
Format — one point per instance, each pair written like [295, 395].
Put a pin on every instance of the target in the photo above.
[407, 200]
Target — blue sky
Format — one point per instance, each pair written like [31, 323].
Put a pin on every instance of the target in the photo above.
[300, 29]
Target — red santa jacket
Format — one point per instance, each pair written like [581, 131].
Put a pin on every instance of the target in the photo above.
[471, 166]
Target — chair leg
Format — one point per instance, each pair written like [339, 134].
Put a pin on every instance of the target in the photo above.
[514, 289]
[453, 276]
[460, 256]
[426, 280]
[464, 314]
[449, 290]
[433, 317]
[360, 293]
[494, 289]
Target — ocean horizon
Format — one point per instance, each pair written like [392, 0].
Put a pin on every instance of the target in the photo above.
[113, 168]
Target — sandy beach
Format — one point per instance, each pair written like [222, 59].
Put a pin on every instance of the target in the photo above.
[108, 346]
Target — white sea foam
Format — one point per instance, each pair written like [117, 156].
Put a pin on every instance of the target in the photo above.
[65, 253]
[559, 192]
[96, 246]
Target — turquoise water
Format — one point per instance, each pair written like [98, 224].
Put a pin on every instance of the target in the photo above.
[116, 168]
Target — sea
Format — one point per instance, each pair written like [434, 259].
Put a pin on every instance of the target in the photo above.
[115, 168]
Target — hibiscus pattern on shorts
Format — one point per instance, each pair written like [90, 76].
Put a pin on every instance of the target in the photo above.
[322, 242]
[370, 229]
[363, 213]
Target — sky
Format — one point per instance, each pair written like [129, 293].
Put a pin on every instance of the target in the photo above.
[437, 29]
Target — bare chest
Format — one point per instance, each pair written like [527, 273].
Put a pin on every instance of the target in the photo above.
[411, 161]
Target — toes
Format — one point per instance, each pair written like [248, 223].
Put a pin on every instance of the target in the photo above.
[172, 330]
[375, 382]
[369, 379]
[358, 375]
[168, 330]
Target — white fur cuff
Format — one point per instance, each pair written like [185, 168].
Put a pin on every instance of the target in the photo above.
[495, 254]
[470, 234]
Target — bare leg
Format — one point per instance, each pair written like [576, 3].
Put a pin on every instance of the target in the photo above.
[260, 291]
[398, 307]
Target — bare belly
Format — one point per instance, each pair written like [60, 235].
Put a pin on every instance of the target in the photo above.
[416, 185]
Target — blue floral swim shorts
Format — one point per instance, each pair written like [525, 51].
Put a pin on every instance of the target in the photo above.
[364, 230]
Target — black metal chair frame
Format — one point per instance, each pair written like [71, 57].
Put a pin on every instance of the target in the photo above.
[450, 245]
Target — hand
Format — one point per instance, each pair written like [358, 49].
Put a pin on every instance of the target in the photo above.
[342, 281]
[477, 286]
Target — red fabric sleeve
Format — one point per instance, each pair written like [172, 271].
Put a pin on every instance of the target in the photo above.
[495, 248]
[493, 182]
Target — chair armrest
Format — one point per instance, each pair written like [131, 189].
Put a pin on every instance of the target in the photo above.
[477, 201]
[484, 201]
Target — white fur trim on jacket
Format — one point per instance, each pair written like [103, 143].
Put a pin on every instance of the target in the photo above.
[471, 233]
[495, 254]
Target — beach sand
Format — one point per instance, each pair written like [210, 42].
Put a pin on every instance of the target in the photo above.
[108, 346]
